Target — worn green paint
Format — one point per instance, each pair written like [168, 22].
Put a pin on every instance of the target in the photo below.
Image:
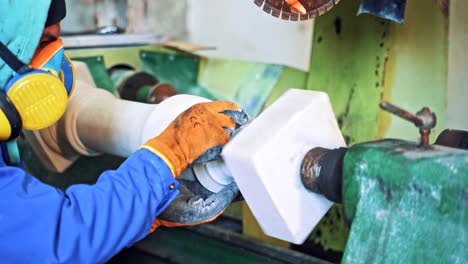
[416, 70]
[179, 70]
[291, 78]
[98, 71]
[248, 84]
[347, 58]
[407, 205]
[143, 93]
[255, 88]
[120, 75]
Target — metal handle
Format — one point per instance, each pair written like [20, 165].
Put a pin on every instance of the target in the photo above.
[425, 119]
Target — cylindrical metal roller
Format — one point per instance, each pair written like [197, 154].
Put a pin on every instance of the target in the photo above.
[138, 86]
[321, 172]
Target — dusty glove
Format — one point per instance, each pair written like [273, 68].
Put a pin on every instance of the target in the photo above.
[200, 128]
[196, 205]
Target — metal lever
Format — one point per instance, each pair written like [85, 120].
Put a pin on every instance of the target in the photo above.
[425, 119]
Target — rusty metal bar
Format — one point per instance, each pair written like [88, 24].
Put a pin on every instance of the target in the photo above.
[425, 120]
[402, 113]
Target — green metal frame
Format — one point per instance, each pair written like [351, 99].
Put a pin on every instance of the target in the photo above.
[407, 204]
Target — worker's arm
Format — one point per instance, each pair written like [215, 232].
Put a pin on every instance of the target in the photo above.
[86, 223]
[89, 224]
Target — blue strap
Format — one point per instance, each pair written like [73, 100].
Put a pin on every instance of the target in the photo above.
[12, 156]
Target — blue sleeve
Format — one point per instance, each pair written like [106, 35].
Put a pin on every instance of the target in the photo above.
[86, 223]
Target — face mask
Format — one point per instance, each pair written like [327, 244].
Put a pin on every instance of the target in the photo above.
[37, 96]
[53, 59]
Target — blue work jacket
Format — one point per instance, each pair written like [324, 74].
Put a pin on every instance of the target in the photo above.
[86, 223]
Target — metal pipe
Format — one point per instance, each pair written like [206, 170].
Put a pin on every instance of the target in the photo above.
[322, 172]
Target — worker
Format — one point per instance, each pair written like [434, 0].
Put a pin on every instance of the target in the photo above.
[84, 223]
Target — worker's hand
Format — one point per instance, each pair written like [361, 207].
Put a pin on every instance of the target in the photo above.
[196, 205]
[202, 129]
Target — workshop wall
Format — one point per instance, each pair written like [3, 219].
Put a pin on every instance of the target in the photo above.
[164, 17]
[458, 66]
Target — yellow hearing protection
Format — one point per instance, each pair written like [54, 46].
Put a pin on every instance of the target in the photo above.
[33, 98]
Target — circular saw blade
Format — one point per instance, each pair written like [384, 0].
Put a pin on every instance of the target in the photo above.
[283, 10]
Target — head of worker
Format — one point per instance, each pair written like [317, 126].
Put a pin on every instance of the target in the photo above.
[36, 78]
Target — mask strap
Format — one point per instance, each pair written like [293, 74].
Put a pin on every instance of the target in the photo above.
[10, 153]
[12, 61]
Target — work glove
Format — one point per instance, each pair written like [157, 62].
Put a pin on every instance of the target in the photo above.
[202, 129]
[205, 127]
[196, 205]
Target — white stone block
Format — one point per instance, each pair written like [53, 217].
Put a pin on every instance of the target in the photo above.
[265, 160]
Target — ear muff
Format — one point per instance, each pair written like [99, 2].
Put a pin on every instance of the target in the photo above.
[10, 120]
[33, 98]
[39, 98]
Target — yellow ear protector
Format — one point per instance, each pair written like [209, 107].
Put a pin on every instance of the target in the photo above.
[34, 98]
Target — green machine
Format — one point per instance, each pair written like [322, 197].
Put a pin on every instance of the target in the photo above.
[405, 202]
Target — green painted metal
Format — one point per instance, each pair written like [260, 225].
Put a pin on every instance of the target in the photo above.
[255, 88]
[181, 71]
[347, 60]
[118, 76]
[290, 78]
[407, 204]
[98, 71]
[248, 84]
[143, 93]
[416, 69]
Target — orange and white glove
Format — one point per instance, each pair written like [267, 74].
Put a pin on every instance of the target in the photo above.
[195, 131]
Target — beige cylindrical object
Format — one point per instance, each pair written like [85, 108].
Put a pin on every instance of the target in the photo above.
[98, 122]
